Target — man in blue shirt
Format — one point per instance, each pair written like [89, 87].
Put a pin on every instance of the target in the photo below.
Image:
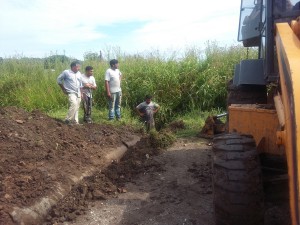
[70, 82]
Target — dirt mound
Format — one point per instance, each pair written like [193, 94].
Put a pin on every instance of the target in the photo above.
[37, 151]
[212, 126]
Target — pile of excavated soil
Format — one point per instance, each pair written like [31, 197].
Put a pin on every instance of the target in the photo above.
[37, 152]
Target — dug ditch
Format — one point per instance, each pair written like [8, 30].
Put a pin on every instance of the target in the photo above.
[171, 188]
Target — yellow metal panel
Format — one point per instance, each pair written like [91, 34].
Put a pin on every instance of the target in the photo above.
[288, 54]
[260, 122]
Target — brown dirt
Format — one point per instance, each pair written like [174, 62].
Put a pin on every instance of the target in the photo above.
[172, 187]
[147, 186]
[36, 152]
[106, 184]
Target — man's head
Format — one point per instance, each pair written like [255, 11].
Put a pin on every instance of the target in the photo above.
[89, 70]
[75, 66]
[148, 99]
[114, 64]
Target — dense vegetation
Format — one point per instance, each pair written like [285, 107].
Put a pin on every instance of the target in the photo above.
[196, 81]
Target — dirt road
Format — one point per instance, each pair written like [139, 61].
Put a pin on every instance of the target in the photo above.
[177, 190]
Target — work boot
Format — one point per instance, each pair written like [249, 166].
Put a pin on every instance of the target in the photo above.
[68, 122]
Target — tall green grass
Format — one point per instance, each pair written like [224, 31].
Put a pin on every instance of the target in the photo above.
[195, 81]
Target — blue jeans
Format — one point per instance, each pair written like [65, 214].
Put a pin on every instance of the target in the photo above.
[115, 105]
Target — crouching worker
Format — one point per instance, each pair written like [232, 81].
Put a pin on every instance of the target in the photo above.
[146, 110]
[88, 85]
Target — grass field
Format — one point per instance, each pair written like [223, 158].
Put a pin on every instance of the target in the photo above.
[184, 87]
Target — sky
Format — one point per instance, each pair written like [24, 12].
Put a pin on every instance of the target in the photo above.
[39, 28]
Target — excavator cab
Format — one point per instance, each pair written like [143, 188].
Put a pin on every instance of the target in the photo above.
[251, 23]
[257, 29]
[253, 18]
[260, 153]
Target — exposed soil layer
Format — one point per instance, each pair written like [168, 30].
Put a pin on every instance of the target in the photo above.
[37, 152]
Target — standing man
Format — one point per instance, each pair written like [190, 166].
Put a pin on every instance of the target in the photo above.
[113, 89]
[88, 85]
[70, 83]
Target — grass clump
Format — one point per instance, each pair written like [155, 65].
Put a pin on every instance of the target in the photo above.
[161, 139]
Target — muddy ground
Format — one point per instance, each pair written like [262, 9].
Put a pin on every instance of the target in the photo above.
[148, 186]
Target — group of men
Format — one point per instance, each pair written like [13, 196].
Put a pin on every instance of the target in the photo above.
[79, 87]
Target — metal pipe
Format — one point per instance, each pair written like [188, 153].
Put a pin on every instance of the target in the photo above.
[221, 115]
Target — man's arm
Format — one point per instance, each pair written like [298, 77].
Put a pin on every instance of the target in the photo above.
[156, 108]
[107, 89]
[139, 112]
[60, 79]
[81, 92]
[91, 86]
[120, 74]
[63, 88]
[94, 87]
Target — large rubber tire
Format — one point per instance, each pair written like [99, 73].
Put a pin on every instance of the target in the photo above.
[237, 181]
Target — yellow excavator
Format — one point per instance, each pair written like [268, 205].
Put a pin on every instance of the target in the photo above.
[259, 157]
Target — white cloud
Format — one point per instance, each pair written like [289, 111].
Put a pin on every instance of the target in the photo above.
[34, 27]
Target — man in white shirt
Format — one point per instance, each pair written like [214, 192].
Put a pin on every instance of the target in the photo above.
[88, 85]
[70, 83]
[113, 78]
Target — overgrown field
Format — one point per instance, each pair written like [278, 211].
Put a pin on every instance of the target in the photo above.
[197, 81]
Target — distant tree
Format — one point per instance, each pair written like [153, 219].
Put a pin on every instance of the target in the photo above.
[51, 61]
[91, 56]
[1, 60]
